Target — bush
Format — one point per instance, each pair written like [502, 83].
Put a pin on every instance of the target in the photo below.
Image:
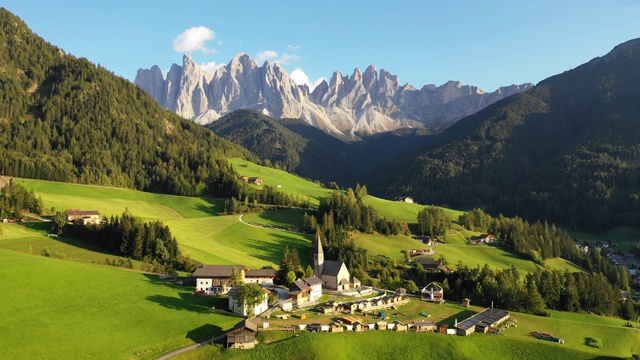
[593, 342]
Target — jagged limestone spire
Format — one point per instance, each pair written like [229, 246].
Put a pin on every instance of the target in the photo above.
[318, 257]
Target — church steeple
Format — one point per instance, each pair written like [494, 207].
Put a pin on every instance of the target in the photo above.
[318, 257]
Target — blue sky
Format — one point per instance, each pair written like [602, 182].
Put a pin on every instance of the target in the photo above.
[482, 43]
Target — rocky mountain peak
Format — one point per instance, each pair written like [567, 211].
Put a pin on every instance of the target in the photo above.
[365, 102]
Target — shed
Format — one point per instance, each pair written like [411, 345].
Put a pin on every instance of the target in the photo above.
[302, 326]
[358, 326]
[372, 326]
[334, 327]
[286, 306]
[400, 326]
[328, 309]
[466, 302]
[314, 327]
[243, 335]
[325, 328]
[381, 325]
[442, 329]
[349, 327]
[423, 326]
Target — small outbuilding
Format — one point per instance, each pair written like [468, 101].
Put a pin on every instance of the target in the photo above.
[381, 325]
[242, 336]
[424, 326]
[335, 327]
[400, 326]
[433, 292]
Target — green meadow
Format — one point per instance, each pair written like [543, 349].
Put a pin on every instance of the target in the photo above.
[68, 310]
[281, 219]
[392, 246]
[283, 181]
[627, 237]
[403, 211]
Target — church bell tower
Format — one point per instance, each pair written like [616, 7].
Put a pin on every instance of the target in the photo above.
[318, 258]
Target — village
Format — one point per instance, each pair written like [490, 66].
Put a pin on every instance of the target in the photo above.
[332, 301]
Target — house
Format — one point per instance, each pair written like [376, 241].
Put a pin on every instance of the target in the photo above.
[255, 181]
[244, 178]
[486, 238]
[242, 336]
[260, 276]
[433, 292]
[87, 217]
[406, 199]
[241, 309]
[431, 265]
[216, 279]
[424, 326]
[335, 327]
[333, 273]
[307, 290]
[487, 318]
[400, 326]
[466, 302]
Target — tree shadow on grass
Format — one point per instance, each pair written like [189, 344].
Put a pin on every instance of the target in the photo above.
[185, 302]
[462, 315]
[204, 332]
[273, 252]
[214, 207]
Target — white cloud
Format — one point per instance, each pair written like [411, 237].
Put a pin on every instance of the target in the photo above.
[194, 39]
[300, 77]
[293, 47]
[211, 67]
[287, 58]
[274, 57]
[266, 55]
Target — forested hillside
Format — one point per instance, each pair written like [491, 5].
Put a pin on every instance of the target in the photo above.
[566, 151]
[293, 145]
[66, 119]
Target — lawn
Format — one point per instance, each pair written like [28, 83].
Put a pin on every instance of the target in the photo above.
[392, 246]
[285, 182]
[68, 310]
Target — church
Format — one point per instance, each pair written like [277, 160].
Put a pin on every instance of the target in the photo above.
[333, 273]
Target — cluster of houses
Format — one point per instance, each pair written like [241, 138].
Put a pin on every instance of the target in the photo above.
[482, 239]
[481, 322]
[363, 306]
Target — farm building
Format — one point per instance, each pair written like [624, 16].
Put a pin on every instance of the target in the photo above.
[406, 199]
[236, 307]
[431, 265]
[433, 292]
[242, 336]
[260, 276]
[87, 217]
[255, 180]
[442, 329]
[487, 318]
[216, 279]
[381, 325]
[424, 326]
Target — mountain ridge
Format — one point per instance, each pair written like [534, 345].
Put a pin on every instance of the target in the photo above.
[366, 102]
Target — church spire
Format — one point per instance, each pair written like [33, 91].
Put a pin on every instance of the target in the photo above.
[318, 257]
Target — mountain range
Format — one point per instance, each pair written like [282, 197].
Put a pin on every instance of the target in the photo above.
[364, 103]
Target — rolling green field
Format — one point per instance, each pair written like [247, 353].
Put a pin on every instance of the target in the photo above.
[291, 184]
[479, 255]
[68, 310]
[113, 201]
[403, 211]
[392, 246]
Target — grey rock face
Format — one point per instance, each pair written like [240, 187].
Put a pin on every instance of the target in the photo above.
[366, 103]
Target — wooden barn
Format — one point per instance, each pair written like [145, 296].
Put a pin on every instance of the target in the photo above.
[242, 336]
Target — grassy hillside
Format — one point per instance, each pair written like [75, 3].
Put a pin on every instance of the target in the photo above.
[288, 183]
[203, 236]
[67, 310]
[618, 342]
[392, 246]
[403, 211]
